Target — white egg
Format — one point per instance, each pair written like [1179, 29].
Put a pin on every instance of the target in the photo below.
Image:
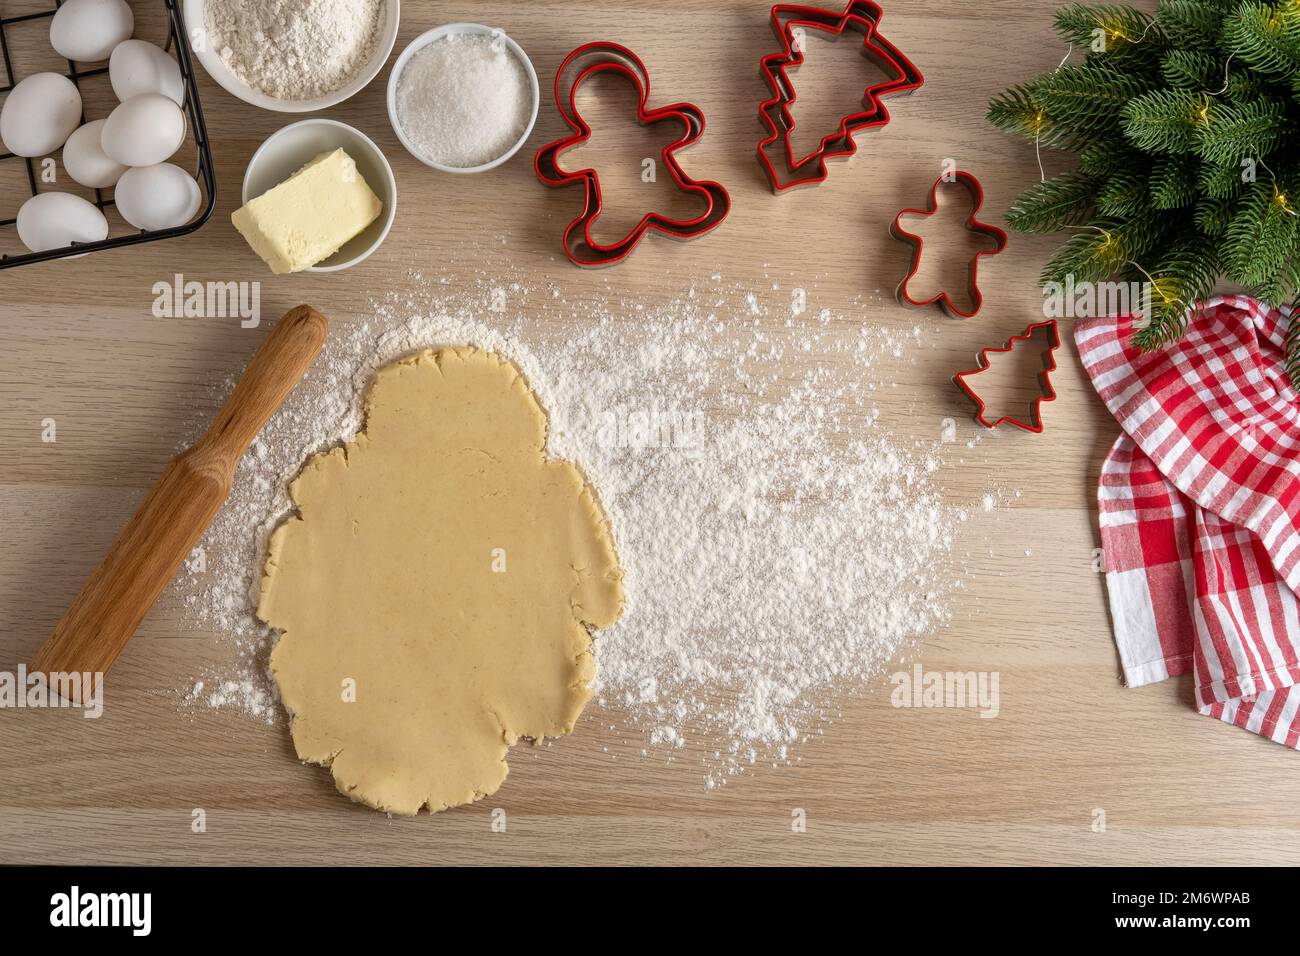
[87, 30]
[39, 113]
[138, 66]
[144, 130]
[54, 220]
[85, 161]
[157, 197]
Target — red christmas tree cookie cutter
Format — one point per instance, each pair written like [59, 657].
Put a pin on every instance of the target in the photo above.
[972, 224]
[861, 16]
[603, 56]
[1048, 394]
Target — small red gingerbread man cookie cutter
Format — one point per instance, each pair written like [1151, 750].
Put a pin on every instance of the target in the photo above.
[972, 185]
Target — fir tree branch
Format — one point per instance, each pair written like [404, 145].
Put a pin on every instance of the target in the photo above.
[1261, 241]
[1124, 194]
[1119, 25]
[1291, 346]
[1080, 257]
[1141, 236]
[1103, 156]
[1103, 248]
[1190, 24]
[1184, 277]
[1016, 110]
[1088, 100]
[1235, 132]
[1244, 85]
[1267, 37]
[1064, 200]
[1221, 182]
[1173, 182]
[1164, 121]
[1013, 111]
[1187, 69]
[1164, 117]
[1213, 216]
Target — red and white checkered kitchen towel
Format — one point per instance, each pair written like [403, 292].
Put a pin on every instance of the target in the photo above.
[1200, 510]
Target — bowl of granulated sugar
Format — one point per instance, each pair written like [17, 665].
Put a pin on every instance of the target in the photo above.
[463, 98]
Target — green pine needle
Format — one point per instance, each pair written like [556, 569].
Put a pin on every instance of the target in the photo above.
[1233, 133]
[1065, 200]
[1213, 216]
[1186, 127]
[1102, 157]
[1265, 36]
[1018, 111]
[1163, 121]
[1108, 25]
[1014, 110]
[1124, 195]
[1260, 241]
[1190, 24]
[1184, 276]
[1173, 182]
[1187, 69]
[1079, 257]
[1244, 85]
[1291, 347]
[1097, 253]
[1221, 182]
[1087, 100]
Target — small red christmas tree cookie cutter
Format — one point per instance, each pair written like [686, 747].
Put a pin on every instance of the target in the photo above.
[1035, 423]
[861, 16]
[583, 63]
[972, 224]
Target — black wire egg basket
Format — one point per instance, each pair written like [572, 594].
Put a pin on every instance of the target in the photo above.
[202, 164]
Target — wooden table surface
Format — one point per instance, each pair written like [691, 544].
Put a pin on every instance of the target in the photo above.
[882, 785]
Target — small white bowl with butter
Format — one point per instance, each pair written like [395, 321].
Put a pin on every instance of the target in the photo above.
[328, 191]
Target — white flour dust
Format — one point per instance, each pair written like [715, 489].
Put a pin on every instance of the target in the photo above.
[780, 547]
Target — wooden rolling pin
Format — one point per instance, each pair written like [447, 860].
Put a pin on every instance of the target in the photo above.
[173, 517]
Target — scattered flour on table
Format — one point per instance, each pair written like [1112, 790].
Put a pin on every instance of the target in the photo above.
[780, 547]
[294, 49]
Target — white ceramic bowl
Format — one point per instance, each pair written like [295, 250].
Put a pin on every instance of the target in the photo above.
[289, 149]
[232, 84]
[428, 37]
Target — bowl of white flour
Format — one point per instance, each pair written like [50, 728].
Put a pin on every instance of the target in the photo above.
[292, 56]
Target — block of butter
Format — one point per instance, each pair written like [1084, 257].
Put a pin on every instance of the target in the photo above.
[309, 216]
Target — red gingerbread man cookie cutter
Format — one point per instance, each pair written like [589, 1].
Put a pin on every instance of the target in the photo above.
[583, 63]
[972, 224]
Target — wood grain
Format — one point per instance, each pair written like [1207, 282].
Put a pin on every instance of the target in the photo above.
[881, 785]
[178, 509]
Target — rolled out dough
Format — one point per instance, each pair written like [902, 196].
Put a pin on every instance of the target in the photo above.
[435, 590]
